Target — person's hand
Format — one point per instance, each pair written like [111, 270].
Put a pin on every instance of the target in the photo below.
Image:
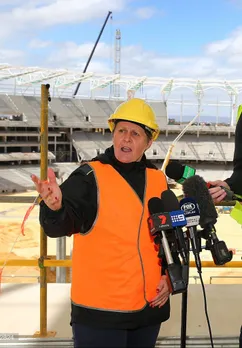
[163, 293]
[217, 193]
[49, 190]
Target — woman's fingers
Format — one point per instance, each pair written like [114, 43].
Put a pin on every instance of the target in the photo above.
[36, 181]
[160, 300]
[163, 302]
[163, 293]
[51, 176]
[49, 190]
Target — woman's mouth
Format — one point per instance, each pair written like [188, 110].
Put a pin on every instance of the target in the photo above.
[126, 149]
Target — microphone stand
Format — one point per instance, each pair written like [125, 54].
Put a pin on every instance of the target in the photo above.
[185, 294]
[184, 300]
[185, 278]
[220, 254]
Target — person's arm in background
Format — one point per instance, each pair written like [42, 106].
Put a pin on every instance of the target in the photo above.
[69, 208]
[234, 183]
[217, 193]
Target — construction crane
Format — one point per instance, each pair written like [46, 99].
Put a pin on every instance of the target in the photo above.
[93, 50]
[117, 61]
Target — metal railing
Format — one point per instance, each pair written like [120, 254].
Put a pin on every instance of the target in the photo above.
[223, 277]
[162, 342]
[19, 276]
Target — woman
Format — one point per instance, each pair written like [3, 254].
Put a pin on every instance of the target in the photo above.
[119, 296]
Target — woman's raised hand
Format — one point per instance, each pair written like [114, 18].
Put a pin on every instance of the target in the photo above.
[49, 190]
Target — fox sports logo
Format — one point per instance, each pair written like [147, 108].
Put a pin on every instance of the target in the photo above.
[188, 208]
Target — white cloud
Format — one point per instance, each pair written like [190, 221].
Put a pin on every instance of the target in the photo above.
[70, 55]
[12, 56]
[227, 54]
[221, 59]
[32, 15]
[145, 12]
[229, 46]
[72, 51]
[36, 43]
[10, 2]
[134, 61]
[140, 62]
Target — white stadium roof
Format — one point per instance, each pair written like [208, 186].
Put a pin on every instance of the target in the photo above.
[62, 78]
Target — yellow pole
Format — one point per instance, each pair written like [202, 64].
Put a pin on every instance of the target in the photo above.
[43, 237]
[68, 263]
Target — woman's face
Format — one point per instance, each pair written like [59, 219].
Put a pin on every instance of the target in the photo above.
[130, 142]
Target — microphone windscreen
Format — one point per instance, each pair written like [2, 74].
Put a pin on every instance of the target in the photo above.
[169, 201]
[155, 205]
[195, 187]
[174, 170]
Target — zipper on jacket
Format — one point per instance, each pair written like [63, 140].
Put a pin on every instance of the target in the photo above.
[138, 240]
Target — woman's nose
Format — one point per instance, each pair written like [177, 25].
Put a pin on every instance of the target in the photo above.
[127, 137]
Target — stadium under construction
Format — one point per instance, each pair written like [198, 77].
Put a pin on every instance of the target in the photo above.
[78, 131]
[78, 128]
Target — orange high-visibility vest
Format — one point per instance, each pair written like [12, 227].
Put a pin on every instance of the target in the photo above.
[115, 266]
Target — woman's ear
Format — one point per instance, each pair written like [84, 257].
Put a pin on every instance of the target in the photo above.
[150, 142]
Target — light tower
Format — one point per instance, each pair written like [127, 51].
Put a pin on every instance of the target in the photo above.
[117, 61]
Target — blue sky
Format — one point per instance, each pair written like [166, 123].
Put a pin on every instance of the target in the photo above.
[185, 39]
[167, 29]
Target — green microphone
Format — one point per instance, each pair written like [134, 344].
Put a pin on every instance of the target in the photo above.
[179, 172]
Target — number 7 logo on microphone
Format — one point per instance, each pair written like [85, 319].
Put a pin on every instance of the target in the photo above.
[158, 222]
[163, 219]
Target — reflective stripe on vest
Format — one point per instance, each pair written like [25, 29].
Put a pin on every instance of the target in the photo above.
[115, 265]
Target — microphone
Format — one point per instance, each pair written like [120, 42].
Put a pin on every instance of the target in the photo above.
[179, 172]
[192, 214]
[158, 223]
[178, 219]
[196, 188]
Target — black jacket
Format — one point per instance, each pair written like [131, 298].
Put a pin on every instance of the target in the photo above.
[235, 181]
[79, 208]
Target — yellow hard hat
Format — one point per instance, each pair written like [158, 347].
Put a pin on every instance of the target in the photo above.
[138, 111]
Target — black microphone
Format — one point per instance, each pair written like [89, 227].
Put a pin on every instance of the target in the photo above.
[159, 222]
[192, 214]
[180, 172]
[172, 206]
[196, 188]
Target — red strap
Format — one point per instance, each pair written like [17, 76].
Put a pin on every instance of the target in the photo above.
[26, 217]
